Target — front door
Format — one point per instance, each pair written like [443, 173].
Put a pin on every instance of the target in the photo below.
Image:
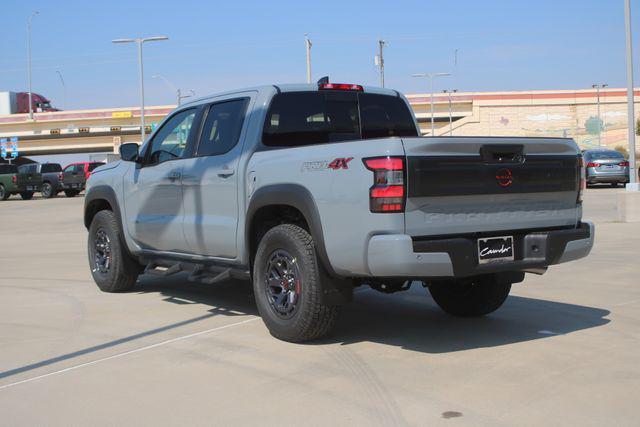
[153, 190]
[210, 181]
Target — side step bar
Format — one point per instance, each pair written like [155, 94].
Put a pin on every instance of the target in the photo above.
[202, 273]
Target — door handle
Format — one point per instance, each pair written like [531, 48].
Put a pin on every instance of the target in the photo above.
[173, 176]
[226, 172]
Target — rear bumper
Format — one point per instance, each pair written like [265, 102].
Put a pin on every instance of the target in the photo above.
[72, 186]
[35, 186]
[402, 256]
[618, 176]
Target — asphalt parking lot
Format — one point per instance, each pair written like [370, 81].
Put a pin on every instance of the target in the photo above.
[564, 349]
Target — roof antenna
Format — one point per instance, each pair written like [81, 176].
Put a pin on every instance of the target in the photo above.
[323, 81]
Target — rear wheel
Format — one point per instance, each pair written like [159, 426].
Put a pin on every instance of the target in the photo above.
[47, 190]
[287, 282]
[4, 194]
[26, 195]
[112, 268]
[475, 297]
[71, 193]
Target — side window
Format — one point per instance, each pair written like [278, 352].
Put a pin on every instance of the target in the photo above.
[222, 127]
[171, 140]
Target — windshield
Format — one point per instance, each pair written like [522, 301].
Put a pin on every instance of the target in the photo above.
[50, 167]
[602, 155]
[92, 166]
[8, 169]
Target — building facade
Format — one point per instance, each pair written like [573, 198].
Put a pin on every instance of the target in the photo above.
[576, 114]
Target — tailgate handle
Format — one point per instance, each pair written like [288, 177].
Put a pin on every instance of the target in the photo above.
[510, 154]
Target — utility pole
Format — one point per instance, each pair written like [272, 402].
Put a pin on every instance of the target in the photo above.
[597, 87]
[631, 118]
[450, 91]
[380, 60]
[308, 45]
[140, 41]
[29, 60]
[430, 76]
[64, 91]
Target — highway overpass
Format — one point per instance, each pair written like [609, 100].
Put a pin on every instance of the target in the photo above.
[560, 113]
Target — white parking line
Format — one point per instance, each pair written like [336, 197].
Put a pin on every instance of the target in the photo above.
[115, 356]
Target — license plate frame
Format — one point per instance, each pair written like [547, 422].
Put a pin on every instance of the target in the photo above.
[31, 188]
[495, 249]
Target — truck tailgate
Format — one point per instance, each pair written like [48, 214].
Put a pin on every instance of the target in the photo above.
[73, 179]
[29, 179]
[469, 185]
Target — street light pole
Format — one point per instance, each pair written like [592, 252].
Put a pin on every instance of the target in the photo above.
[430, 76]
[631, 118]
[140, 41]
[29, 60]
[597, 87]
[450, 91]
[64, 91]
[308, 45]
[381, 45]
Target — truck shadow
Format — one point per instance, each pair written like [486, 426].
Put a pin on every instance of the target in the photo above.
[410, 320]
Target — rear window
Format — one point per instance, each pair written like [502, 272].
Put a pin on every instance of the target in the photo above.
[50, 167]
[4, 169]
[307, 118]
[602, 155]
[92, 166]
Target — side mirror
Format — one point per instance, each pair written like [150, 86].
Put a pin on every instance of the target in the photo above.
[129, 152]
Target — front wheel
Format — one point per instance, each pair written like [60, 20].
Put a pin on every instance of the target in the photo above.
[26, 195]
[287, 283]
[471, 298]
[112, 268]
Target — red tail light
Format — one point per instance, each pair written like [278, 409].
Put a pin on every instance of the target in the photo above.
[340, 86]
[387, 195]
[14, 178]
[60, 177]
[593, 165]
[624, 164]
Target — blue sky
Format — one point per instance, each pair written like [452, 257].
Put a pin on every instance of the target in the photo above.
[219, 45]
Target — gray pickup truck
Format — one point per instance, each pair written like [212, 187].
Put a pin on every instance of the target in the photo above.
[312, 190]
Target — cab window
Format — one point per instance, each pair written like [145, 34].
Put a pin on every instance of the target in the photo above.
[222, 127]
[171, 140]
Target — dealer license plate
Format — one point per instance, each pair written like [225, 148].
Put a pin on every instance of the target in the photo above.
[495, 249]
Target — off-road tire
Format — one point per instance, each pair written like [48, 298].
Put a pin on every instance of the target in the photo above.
[312, 318]
[473, 298]
[47, 191]
[26, 195]
[124, 270]
[71, 193]
[4, 194]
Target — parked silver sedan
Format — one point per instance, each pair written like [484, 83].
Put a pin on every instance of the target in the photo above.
[606, 167]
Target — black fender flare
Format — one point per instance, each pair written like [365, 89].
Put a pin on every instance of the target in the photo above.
[101, 192]
[106, 193]
[300, 198]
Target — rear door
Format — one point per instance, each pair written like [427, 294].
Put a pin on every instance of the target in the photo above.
[153, 192]
[210, 179]
[464, 185]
